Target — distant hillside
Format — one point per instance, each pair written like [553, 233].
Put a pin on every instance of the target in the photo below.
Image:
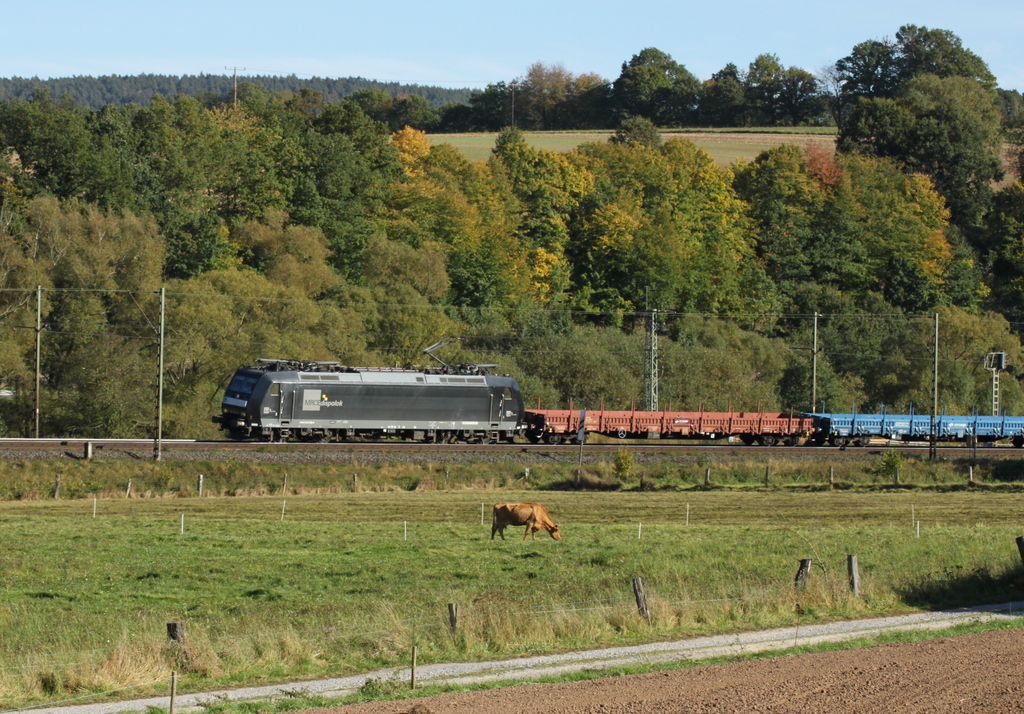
[98, 92]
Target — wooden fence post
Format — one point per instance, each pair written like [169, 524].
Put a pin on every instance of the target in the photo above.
[831, 476]
[200, 484]
[1020, 547]
[707, 477]
[854, 571]
[896, 475]
[412, 674]
[176, 632]
[56, 487]
[767, 474]
[641, 599]
[803, 572]
[128, 491]
[174, 690]
[453, 616]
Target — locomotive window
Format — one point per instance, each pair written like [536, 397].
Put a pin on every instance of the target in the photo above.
[242, 385]
[275, 390]
[508, 393]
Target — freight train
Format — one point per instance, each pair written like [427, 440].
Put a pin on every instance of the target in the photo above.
[279, 399]
[554, 426]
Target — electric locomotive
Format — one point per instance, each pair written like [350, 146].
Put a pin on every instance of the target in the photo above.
[278, 399]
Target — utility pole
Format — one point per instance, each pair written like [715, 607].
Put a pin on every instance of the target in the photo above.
[651, 364]
[814, 366]
[39, 332]
[513, 86]
[158, 440]
[236, 70]
[995, 362]
[933, 441]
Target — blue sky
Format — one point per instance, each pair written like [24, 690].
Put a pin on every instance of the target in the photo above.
[457, 43]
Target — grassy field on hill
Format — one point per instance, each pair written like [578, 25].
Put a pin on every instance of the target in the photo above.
[726, 147]
[290, 587]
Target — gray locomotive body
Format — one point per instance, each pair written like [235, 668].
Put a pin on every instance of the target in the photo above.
[323, 401]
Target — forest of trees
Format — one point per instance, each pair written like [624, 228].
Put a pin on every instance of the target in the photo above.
[293, 226]
[99, 92]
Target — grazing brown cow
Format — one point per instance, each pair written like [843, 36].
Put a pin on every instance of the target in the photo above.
[531, 515]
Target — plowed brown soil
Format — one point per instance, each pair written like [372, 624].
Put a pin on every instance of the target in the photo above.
[969, 673]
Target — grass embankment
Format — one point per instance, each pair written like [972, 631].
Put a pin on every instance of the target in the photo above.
[349, 581]
[861, 469]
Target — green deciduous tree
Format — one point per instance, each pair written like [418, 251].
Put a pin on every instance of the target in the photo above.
[947, 129]
[655, 86]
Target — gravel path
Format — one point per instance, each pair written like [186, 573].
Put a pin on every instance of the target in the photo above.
[533, 667]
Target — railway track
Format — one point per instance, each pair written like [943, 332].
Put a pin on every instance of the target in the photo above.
[90, 447]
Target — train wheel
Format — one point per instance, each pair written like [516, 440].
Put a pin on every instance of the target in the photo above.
[554, 439]
[533, 437]
[621, 433]
[324, 438]
[1017, 441]
[747, 439]
[766, 440]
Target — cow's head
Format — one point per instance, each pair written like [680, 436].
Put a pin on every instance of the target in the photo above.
[553, 530]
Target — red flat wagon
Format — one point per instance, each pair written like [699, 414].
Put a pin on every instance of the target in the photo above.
[766, 428]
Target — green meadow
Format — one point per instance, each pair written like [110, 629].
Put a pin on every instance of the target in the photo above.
[726, 147]
[289, 586]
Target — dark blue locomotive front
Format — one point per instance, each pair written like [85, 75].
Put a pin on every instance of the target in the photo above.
[324, 401]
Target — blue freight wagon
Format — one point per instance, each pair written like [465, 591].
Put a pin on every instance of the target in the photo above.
[858, 429]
